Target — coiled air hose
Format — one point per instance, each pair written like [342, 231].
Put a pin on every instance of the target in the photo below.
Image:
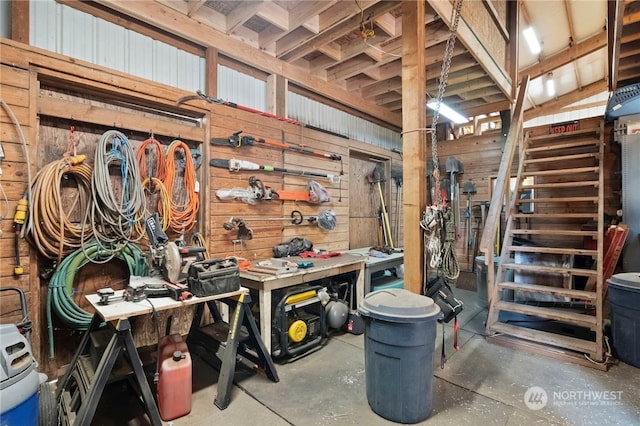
[55, 230]
[60, 292]
[115, 213]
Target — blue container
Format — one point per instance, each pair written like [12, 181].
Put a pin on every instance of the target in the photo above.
[624, 295]
[400, 337]
[19, 380]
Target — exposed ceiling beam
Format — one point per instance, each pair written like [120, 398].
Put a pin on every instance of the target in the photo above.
[571, 54]
[468, 37]
[555, 106]
[300, 49]
[615, 13]
[177, 23]
[303, 12]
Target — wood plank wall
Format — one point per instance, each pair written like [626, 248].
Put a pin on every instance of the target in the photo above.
[48, 93]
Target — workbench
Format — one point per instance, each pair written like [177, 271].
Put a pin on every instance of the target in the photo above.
[265, 283]
[117, 315]
[374, 264]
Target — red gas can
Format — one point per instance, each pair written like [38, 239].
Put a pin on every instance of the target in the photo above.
[174, 382]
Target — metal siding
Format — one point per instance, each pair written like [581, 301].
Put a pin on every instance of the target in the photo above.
[77, 34]
[242, 89]
[110, 45]
[62, 29]
[44, 24]
[140, 55]
[317, 114]
[5, 19]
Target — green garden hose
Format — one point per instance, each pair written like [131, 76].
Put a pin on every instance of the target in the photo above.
[60, 291]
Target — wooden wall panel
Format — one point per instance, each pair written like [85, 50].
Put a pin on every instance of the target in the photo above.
[269, 233]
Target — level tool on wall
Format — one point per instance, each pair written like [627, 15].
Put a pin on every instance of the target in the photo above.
[237, 141]
[235, 165]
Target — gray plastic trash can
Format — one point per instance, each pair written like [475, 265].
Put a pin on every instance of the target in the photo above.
[400, 337]
[624, 295]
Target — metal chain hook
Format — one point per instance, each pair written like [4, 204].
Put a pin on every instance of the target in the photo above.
[444, 75]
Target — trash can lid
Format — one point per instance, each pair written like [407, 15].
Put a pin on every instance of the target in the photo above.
[398, 305]
[625, 281]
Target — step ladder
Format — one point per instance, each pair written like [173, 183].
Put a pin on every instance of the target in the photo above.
[553, 247]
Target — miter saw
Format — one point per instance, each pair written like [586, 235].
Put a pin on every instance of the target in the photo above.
[166, 260]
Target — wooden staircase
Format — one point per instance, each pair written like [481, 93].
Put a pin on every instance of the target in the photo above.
[553, 246]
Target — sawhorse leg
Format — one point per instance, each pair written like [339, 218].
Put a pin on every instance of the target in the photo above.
[241, 316]
[121, 339]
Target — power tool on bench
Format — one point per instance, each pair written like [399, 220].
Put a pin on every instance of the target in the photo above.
[166, 260]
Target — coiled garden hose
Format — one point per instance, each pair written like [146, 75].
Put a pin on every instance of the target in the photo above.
[60, 291]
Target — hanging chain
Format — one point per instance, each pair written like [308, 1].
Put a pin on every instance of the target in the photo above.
[444, 74]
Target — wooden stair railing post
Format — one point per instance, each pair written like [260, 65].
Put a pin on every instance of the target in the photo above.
[487, 243]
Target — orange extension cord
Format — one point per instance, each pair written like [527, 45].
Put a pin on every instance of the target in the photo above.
[151, 160]
[156, 194]
[181, 185]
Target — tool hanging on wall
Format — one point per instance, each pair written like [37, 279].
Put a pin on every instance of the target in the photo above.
[396, 175]
[201, 95]
[237, 141]
[469, 188]
[235, 165]
[326, 220]
[454, 168]
[258, 191]
[377, 177]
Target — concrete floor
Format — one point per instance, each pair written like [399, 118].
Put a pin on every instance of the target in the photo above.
[482, 383]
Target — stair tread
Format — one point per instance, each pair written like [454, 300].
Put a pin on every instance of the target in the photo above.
[589, 296]
[555, 200]
[583, 320]
[556, 215]
[562, 158]
[572, 184]
[566, 135]
[554, 232]
[539, 336]
[549, 269]
[563, 146]
[567, 172]
[554, 250]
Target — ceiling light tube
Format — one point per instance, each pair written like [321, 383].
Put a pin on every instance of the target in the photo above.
[448, 112]
[551, 87]
[532, 40]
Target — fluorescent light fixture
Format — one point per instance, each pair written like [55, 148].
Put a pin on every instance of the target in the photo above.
[448, 112]
[551, 87]
[532, 40]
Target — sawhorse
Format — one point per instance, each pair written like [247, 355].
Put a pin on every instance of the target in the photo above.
[79, 391]
[70, 393]
[231, 349]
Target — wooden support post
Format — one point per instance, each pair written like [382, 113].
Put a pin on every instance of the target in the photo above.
[414, 119]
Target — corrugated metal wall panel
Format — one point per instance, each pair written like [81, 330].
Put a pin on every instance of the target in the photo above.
[317, 114]
[62, 29]
[5, 19]
[241, 89]
[141, 55]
